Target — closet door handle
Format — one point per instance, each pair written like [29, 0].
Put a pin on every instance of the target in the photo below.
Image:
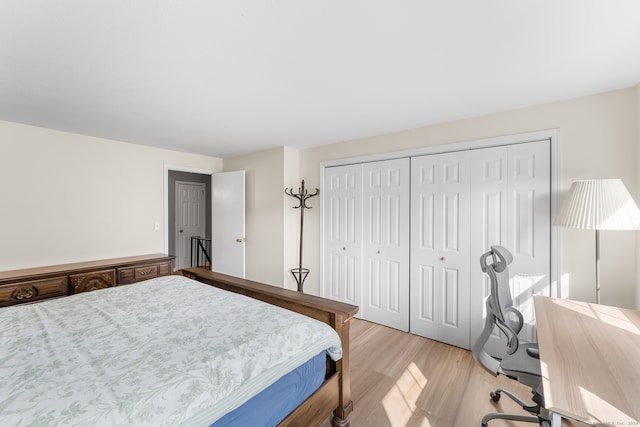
[441, 258]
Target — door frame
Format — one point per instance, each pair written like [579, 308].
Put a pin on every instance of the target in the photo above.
[553, 135]
[170, 167]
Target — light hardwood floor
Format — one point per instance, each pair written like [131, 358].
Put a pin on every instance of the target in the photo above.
[402, 380]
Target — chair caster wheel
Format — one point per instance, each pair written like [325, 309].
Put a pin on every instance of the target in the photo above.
[495, 396]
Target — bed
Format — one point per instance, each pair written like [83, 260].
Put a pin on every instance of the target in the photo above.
[101, 358]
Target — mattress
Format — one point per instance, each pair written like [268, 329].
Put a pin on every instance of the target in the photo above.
[165, 352]
[273, 404]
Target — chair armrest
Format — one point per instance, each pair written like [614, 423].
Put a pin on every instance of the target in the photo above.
[534, 352]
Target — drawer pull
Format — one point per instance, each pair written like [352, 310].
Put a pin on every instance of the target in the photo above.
[24, 293]
[146, 272]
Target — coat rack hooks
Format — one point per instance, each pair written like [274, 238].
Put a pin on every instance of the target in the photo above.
[300, 274]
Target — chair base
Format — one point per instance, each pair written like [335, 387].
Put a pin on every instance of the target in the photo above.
[539, 414]
[532, 409]
[498, 416]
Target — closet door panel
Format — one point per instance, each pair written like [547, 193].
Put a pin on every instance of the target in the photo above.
[394, 279]
[425, 235]
[373, 289]
[511, 196]
[451, 286]
[386, 243]
[342, 223]
[451, 221]
[489, 188]
[454, 254]
[440, 253]
[529, 227]
[425, 290]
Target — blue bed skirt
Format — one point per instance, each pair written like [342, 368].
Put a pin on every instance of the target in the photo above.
[274, 403]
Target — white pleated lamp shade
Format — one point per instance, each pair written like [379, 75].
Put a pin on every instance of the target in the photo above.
[599, 204]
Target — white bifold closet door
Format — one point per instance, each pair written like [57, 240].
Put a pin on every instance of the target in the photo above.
[342, 213]
[511, 207]
[440, 247]
[403, 238]
[462, 204]
[385, 243]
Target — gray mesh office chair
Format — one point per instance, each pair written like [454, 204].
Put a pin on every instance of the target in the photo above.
[521, 361]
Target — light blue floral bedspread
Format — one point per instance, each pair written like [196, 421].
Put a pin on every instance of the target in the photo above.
[166, 352]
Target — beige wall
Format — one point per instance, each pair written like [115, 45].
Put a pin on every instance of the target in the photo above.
[67, 197]
[637, 199]
[291, 223]
[272, 224]
[598, 139]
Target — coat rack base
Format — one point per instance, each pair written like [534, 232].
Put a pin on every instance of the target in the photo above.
[300, 274]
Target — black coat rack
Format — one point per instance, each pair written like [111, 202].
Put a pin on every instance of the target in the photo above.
[300, 274]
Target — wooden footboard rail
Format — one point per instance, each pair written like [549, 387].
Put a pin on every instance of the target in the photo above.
[335, 394]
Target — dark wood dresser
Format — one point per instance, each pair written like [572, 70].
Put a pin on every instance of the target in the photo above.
[33, 284]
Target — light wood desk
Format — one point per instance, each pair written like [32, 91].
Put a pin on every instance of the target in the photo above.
[590, 358]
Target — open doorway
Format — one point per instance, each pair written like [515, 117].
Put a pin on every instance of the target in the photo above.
[179, 243]
[225, 201]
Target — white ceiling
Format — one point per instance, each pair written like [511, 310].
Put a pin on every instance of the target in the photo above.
[226, 77]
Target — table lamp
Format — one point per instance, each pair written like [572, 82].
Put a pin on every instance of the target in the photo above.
[599, 204]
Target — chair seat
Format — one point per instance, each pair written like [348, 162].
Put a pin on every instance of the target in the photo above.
[520, 364]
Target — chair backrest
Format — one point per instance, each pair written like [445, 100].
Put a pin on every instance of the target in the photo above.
[498, 303]
[498, 271]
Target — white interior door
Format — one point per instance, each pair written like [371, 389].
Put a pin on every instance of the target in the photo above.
[342, 234]
[511, 195]
[440, 247]
[190, 219]
[228, 240]
[385, 243]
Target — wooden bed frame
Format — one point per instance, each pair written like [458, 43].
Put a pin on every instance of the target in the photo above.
[36, 284]
[335, 394]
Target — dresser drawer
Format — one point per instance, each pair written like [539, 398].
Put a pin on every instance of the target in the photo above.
[91, 281]
[33, 290]
[128, 275]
